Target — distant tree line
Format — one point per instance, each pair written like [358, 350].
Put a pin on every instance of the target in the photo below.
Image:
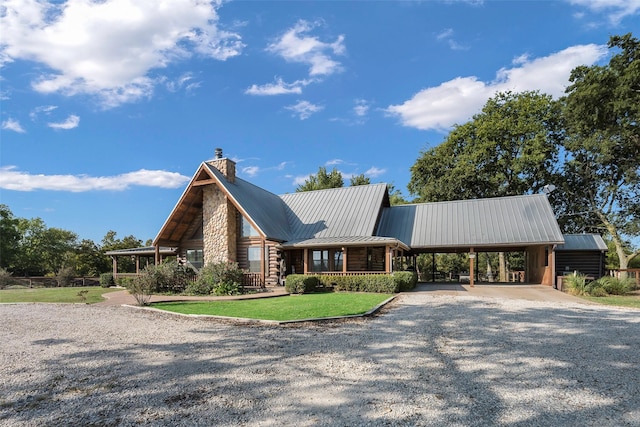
[29, 248]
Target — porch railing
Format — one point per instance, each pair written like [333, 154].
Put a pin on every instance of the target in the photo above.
[252, 280]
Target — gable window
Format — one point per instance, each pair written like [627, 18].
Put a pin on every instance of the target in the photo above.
[195, 257]
[253, 256]
[247, 229]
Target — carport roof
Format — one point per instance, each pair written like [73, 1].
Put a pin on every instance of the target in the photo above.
[515, 221]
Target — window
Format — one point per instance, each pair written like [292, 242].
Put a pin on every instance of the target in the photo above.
[246, 229]
[253, 255]
[195, 257]
[320, 261]
[337, 261]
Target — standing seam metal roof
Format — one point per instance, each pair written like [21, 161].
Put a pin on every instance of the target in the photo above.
[582, 242]
[499, 221]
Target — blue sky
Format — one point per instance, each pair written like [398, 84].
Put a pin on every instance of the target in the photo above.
[108, 107]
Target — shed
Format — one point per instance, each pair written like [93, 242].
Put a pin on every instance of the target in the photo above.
[582, 253]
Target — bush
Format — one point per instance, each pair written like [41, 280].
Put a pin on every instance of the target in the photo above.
[609, 286]
[224, 278]
[125, 282]
[106, 280]
[141, 287]
[65, 276]
[301, 284]
[170, 277]
[5, 279]
[576, 284]
[382, 283]
[227, 288]
[407, 280]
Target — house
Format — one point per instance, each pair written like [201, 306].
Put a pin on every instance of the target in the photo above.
[343, 231]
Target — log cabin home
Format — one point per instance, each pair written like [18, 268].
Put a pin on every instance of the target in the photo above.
[341, 231]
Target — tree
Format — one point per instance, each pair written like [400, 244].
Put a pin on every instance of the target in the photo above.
[602, 169]
[395, 196]
[111, 243]
[9, 237]
[90, 259]
[359, 180]
[510, 148]
[322, 180]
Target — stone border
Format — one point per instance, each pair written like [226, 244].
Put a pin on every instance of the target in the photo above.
[265, 321]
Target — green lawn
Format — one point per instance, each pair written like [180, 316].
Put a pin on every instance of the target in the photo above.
[293, 307]
[619, 300]
[59, 295]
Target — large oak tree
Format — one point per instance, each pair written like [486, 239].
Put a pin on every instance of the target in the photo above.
[602, 169]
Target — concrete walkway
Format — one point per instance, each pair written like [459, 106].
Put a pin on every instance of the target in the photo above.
[124, 297]
[507, 291]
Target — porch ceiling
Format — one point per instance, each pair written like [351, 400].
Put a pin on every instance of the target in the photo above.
[185, 212]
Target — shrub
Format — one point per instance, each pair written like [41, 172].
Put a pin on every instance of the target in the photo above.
[106, 280]
[382, 283]
[125, 282]
[5, 279]
[65, 276]
[170, 277]
[301, 284]
[576, 284]
[223, 276]
[227, 288]
[407, 280]
[141, 287]
[608, 285]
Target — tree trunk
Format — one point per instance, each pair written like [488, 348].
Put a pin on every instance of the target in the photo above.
[503, 267]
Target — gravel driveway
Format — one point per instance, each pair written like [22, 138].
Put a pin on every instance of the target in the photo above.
[426, 360]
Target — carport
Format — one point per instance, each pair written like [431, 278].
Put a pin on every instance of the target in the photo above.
[502, 224]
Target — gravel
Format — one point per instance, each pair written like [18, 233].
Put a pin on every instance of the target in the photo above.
[426, 360]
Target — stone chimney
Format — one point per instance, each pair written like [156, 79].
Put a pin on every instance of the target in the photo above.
[224, 165]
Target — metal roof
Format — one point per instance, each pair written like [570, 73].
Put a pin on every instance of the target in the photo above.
[335, 212]
[264, 208]
[582, 242]
[147, 250]
[493, 222]
[345, 241]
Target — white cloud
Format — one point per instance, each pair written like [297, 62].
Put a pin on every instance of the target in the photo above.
[616, 10]
[304, 109]
[109, 48]
[251, 170]
[296, 46]
[72, 122]
[362, 107]
[334, 162]
[12, 179]
[457, 100]
[374, 172]
[184, 81]
[14, 125]
[447, 36]
[44, 109]
[278, 87]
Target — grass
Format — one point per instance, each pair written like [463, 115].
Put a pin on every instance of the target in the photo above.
[293, 307]
[55, 295]
[632, 301]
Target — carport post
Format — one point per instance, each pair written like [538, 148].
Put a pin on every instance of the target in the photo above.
[472, 257]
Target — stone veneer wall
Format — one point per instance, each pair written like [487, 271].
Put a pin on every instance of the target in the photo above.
[226, 166]
[218, 226]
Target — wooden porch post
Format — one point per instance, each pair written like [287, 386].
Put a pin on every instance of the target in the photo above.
[114, 262]
[344, 260]
[305, 261]
[472, 257]
[263, 273]
[157, 255]
[137, 264]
